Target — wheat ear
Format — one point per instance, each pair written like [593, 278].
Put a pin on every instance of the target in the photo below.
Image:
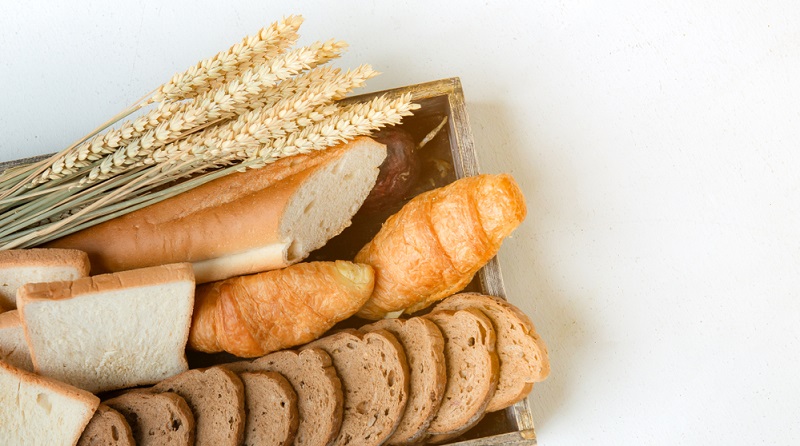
[224, 102]
[253, 129]
[210, 73]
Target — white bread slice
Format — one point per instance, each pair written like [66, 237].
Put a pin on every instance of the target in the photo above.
[110, 331]
[41, 411]
[244, 223]
[21, 266]
[13, 346]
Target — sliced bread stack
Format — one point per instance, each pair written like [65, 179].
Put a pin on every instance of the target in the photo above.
[396, 381]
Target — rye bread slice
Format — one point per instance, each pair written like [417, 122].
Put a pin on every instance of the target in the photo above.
[522, 353]
[374, 374]
[472, 370]
[160, 419]
[319, 391]
[271, 408]
[424, 346]
[216, 397]
[107, 428]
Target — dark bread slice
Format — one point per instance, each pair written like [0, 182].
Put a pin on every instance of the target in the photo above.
[162, 419]
[319, 391]
[374, 374]
[271, 408]
[107, 428]
[424, 346]
[472, 371]
[216, 397]
[522, 353]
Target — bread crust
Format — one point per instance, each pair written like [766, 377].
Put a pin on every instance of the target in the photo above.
[176, 272]
[436, 243]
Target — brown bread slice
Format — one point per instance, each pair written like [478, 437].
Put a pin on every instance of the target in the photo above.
[161, 419]
[374, 374]
[107, 428]
[271, 408]
[216, 397]
[424, 347]
[319, 391]
[522, 353]
[472, 370]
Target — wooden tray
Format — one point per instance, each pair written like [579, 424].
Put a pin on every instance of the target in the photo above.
[447, 157]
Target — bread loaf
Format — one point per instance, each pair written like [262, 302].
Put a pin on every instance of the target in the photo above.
[254, 315]
[110, 331]
[247, 222]
[21, 266]
[436, 243]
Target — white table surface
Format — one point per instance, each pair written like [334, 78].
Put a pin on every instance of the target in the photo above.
[656, 145]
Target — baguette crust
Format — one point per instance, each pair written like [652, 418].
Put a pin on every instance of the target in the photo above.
[196, 226]
[437, 242]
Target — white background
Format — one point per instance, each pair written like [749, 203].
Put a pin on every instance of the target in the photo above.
[656, 145]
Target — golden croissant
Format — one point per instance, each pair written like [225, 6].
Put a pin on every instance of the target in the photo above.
[253, 315]
[436, 243]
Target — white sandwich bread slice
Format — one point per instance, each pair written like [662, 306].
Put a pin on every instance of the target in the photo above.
[40, 411]
[21, 266]
[13, 346]
[243, 223]
[110, 331]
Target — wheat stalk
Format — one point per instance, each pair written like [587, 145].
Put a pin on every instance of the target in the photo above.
[206, 75]
[223, 102]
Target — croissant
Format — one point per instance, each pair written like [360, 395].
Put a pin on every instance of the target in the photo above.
[436, 243]
[253, 315]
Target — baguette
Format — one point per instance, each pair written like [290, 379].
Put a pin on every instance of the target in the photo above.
[436, 243]
[251, 316]
[243, 223]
